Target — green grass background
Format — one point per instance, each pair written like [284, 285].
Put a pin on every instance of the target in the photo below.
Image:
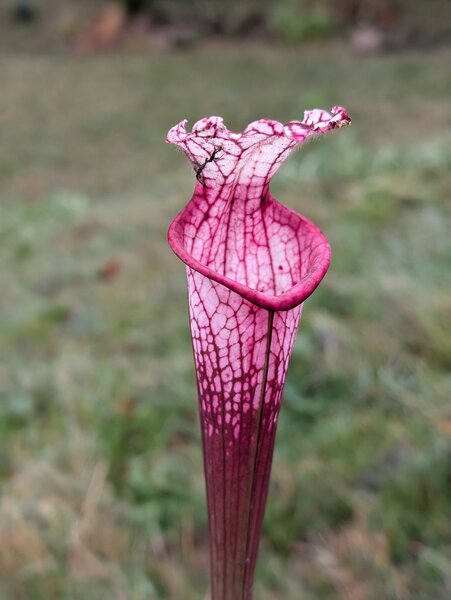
[100, 465]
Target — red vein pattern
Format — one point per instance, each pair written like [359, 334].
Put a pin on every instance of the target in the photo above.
[251, 262]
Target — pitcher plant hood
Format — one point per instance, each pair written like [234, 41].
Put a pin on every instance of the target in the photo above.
[233, 230]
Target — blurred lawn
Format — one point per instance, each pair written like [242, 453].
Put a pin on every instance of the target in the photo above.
[100, 465]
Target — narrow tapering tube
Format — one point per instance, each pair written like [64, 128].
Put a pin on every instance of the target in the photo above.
[251, 262]
[241, 353]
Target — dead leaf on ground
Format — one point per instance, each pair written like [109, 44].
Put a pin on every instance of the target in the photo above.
[104, 32]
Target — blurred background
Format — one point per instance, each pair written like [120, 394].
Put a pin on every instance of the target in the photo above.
[101, 478]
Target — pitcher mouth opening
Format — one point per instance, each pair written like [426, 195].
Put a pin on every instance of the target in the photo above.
[314, 271]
